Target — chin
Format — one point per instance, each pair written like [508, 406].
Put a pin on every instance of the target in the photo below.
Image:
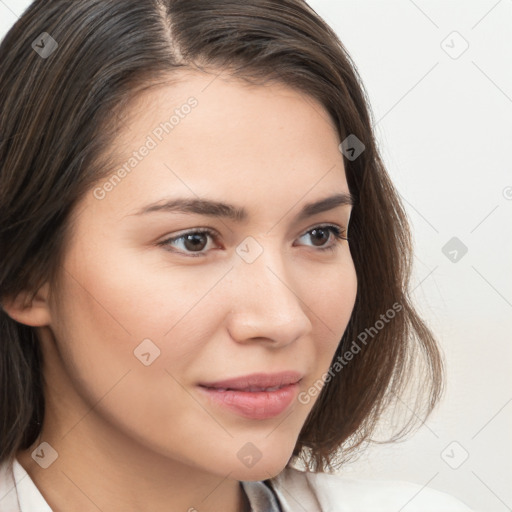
[261, 470]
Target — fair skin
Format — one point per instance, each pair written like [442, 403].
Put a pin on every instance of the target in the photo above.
[131, 437]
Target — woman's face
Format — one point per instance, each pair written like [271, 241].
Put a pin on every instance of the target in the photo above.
[140, 321]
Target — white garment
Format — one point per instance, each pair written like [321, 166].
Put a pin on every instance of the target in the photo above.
[297, 491]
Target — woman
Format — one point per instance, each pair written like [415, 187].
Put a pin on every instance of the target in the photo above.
[205, 264]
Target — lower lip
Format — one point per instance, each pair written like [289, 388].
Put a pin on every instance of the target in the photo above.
[256, 405]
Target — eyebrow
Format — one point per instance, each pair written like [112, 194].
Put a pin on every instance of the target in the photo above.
[223, 210]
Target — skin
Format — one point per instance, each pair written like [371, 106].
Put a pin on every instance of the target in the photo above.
[131, 437]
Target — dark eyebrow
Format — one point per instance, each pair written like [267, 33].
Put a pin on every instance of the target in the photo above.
[219, 209]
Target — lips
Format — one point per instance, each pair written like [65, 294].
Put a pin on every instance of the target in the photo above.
[256, 382]
[258, 396]
[251, 389]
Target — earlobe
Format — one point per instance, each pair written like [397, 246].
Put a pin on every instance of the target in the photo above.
[30, 311]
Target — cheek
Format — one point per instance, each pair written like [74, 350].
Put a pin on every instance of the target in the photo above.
[115, 315]
[340, 295]
[125, 294]
[331, 296]
[102, 320]
[332, 303]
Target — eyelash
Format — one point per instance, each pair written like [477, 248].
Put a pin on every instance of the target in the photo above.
[335, 230]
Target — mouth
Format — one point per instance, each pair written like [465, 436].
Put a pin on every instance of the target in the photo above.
[256, 396]
[256, 382]
[251, 389]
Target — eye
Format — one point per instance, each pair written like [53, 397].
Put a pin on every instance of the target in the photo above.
[321, 232]
[194, 242]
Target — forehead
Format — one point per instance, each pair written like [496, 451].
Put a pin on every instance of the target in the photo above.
[220, 137]
[226, 110]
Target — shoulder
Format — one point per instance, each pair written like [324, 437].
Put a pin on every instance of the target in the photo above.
[17, 490]
[326, 492]
[8, 497]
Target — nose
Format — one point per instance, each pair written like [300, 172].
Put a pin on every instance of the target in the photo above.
[265, 306]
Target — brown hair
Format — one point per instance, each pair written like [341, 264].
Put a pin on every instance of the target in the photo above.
[56, 125]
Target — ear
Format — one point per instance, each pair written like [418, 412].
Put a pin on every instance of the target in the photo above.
[30, 311]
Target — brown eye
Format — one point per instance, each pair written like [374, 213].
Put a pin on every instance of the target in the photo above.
[320, 235]
[195, 242]
[191, 242]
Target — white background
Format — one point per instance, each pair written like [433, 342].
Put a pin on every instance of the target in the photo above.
[443, 122]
